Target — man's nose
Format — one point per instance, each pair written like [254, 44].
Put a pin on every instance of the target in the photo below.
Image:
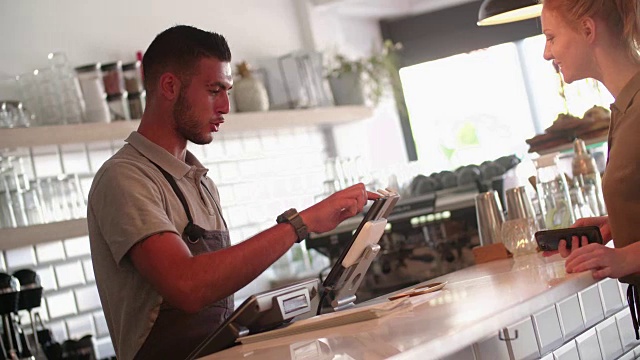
[222, 105]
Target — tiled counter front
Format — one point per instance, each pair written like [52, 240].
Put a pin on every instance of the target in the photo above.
[524, 308]
[595, 323]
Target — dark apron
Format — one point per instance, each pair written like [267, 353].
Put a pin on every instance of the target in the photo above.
[175, 333]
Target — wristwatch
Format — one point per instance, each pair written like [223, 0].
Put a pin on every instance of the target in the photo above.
[292, 217]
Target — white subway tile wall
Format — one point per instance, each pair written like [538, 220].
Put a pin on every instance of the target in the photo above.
[21, 258]
[79, 326]
[49, 252]
[70, 274]
[101, 324]
[61, 304]
[258, 176]
[87, 298]
[77, 247]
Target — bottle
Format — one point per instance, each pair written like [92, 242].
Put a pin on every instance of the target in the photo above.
[585, 172]
[249, 92]
[95, 97]
[132, 73]
[553, 193]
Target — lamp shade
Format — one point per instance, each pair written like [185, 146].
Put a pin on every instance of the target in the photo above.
[494, 12]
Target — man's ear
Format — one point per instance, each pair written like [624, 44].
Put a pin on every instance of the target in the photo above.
[169, 86]
[588, 28]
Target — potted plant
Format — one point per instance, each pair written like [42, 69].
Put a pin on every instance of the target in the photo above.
[365, 80]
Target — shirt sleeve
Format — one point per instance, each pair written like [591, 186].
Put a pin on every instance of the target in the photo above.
[128, 206]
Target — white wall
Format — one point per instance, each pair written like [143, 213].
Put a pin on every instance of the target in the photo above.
[90, 31]
[380, 138]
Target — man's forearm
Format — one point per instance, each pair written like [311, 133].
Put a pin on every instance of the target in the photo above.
[214, 276]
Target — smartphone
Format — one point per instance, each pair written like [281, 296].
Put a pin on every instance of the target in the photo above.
[548, 239]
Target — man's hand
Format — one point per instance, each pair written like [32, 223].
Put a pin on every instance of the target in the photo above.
[327, 214]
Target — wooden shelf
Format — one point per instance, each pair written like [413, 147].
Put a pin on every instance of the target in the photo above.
[12, 238]
[236, 122]
[569, 146]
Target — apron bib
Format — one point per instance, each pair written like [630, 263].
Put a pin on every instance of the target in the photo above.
[175, 333]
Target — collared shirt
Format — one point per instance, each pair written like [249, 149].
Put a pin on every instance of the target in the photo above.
[621, 182]
[129, 201]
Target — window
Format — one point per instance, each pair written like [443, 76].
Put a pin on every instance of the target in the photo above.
[481, 105]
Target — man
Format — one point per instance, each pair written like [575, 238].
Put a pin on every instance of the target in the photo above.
[160, 247]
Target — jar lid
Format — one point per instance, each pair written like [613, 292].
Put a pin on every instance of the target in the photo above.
[14, 103]
[547, 160]
[112, 97]
[112, 66]
[131, 66]
[87, 68]
[137, 94]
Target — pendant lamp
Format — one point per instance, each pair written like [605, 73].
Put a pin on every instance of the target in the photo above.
[494, 12]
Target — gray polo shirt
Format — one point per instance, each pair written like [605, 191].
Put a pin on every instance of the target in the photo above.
[129, 201]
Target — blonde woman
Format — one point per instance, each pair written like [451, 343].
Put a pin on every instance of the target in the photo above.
[599, 39]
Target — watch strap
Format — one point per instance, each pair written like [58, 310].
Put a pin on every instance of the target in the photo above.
[292, 217]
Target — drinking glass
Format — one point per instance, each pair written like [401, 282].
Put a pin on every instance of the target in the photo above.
[518, 236]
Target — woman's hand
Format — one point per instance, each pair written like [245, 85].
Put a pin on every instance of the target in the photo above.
[602, 260]
[601, 222]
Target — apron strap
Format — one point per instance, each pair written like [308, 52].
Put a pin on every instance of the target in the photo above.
[191, 227]
[176, 190]
[634, 307]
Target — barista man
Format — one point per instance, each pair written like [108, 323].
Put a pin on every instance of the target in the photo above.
[164, 267]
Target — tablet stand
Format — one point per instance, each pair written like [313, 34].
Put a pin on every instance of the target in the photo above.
[343, 295]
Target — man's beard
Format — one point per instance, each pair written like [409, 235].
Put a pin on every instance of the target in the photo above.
[186, 122]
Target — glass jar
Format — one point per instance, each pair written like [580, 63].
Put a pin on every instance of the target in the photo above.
[585, 171]
[118, 107]
[95, 98]
[68, 91]
[113, 78]
[553, 193]
[133, 77]
[137, 102]
[14, 114]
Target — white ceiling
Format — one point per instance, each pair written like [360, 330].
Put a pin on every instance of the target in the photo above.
[379, 9]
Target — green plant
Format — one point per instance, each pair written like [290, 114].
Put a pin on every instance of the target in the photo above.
[378, 73]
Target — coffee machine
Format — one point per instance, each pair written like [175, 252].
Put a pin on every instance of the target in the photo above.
[426, 236]
[14, 344]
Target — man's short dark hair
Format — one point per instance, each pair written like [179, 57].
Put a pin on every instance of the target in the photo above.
[178, 50]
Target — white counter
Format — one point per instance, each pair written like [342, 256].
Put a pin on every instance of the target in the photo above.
[476, 303]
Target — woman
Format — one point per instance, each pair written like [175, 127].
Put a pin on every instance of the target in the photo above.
[599, 39]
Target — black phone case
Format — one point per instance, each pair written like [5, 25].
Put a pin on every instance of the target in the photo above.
[548, 239]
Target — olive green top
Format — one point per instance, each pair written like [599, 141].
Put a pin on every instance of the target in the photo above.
[621, 182]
